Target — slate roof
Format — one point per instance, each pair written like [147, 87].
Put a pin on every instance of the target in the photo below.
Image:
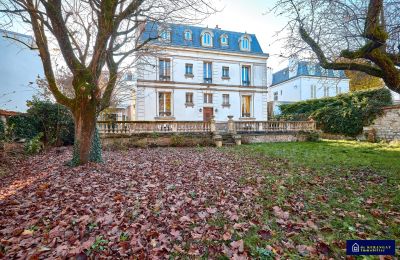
[305, 68]
[153, 29]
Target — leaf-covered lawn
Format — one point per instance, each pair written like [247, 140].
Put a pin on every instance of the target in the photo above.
[163, 203]
[257, 201]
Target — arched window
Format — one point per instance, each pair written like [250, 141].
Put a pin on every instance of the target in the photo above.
[245, 44]
[224, 40]
[187, 35]
[206, 39]
[165, 35]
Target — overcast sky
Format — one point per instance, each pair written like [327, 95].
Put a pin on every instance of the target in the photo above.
[251, 16]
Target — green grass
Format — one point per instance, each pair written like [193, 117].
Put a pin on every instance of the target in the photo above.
[334, 154]
[350, 190]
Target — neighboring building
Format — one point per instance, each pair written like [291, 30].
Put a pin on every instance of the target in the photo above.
[4, 114]
[303, 81]
[200, 73]
[19, 69]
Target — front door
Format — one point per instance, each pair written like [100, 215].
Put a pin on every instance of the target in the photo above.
[208, 112]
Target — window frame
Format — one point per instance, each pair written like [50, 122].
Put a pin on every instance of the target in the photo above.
[189, 99]
[224, 99]
[208, 98]
[246, 114]
[225, 76]
[207, 42]
[189, 65]
[207, 72]
[225, 37]
[243, 75]
[166, 75]
[164, 112]
[245, 43]
[276, 96]
[168, 35]
[190, 35]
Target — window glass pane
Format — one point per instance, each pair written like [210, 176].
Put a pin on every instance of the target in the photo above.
[246, 106]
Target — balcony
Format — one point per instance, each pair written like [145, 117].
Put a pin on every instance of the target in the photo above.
[208, 80]
[165, 78]
[245, 83]
[164, 114]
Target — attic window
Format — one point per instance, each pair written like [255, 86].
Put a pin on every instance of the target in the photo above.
[187, 35]
[165, 35]
[224, 40]
[245, 43]
[207, 39]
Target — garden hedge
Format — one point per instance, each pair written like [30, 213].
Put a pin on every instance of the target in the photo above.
[344, 114]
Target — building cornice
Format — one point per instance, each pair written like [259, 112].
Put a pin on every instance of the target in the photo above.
[263, 56]
[193, 86]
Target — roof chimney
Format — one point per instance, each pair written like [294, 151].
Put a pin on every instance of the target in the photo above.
[216, 27]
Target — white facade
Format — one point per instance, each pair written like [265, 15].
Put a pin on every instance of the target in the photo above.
[298, 86]
[182, 96]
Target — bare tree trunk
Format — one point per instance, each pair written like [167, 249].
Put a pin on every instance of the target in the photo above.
[85, 127]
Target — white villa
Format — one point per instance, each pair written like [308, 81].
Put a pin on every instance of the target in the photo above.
[303, 81]
[200, 73]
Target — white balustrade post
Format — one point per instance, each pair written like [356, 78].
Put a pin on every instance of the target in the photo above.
[213, 125]
[231, 125]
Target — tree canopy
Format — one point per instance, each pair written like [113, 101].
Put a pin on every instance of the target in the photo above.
[357, 35]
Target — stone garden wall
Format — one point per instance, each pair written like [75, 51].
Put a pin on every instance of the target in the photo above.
[385, 127]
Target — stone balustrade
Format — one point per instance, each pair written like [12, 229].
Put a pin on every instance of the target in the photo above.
[230, 126]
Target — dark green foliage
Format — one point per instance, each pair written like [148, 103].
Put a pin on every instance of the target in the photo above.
[345, 114]
[53, 120]
[22, 126]
[2, 130]
[95, 149]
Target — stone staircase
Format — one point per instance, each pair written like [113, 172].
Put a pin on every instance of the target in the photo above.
[227, 140]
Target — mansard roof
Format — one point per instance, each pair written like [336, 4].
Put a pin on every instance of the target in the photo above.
[177, 39]
[305, 68]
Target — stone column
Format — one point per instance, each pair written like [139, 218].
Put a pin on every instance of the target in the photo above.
[213, 126]
[231, 125]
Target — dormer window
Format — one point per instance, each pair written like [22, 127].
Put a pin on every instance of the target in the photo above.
[224, 40]
[245, 43]
[165, 35]
[207, 39]
[187, 35]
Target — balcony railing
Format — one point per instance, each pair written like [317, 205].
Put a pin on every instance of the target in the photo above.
[164, 114]
[165, 78]
[208, 80]
[245, 83]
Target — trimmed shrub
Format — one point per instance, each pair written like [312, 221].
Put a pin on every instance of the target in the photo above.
[345, 114]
